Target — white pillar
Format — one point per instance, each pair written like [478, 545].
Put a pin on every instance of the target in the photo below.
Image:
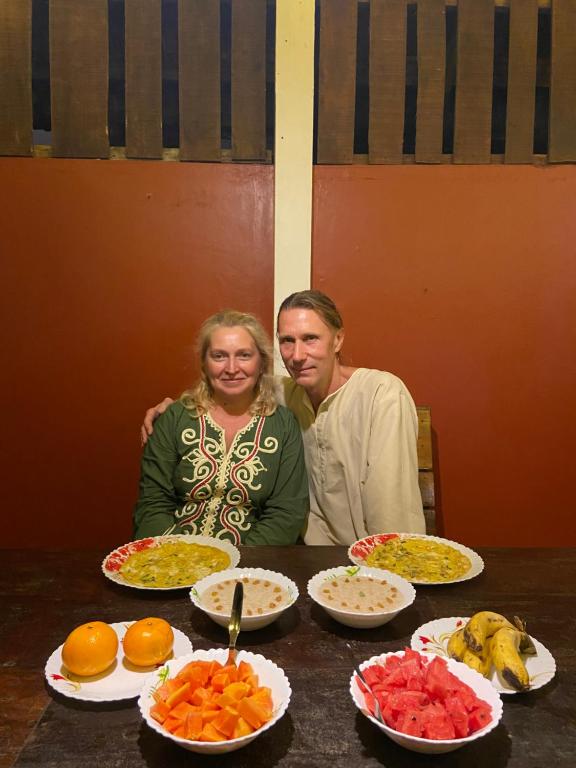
[293, 147]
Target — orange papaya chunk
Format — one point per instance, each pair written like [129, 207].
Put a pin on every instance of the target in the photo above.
[251, 712]
[193, 725]
[181, 710]
[200, 696]
[225, 722]
[160, 711]
[237, 690]
[242, 729]
[209, 733]
[219, 681]
[172, 723]
[244, 669]
[232, 671]
[181, 694]
[263, 697]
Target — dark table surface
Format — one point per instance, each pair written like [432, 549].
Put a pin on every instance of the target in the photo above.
[45, 594]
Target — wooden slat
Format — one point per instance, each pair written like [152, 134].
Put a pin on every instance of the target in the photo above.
[15, 77]
[426, 484]
[387, 80]
[143, 78]
[521, 81]
[424, 438]
[473, 114]
[79, 77]
[431, 29]
[249, 79]
[562, 139]
[337, 81]
[199, 79]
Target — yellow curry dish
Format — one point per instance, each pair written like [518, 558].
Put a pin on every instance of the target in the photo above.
[422, 560]
[173, 564]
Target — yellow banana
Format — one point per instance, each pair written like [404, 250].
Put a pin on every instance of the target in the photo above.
[483, 625]
[457, 645]
[506, 658]
[526, 644]
[457, 649]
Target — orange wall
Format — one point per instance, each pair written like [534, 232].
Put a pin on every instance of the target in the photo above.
[107, 268]
[462, 280]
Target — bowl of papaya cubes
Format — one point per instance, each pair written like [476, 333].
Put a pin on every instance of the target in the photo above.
[209, 706]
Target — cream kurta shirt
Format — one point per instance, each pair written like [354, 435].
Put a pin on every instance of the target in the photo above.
[361, 458]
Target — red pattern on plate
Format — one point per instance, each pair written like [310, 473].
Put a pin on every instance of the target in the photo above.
[365, 546]
[115, 560]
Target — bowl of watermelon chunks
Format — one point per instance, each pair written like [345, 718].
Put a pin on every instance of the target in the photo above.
[207, 706]
[427, 703]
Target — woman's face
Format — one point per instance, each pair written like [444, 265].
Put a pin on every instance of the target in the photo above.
[233, 364]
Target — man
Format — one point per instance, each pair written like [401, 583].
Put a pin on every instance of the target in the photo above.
[359, 428]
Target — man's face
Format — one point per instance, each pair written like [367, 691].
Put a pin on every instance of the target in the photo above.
[308, 347]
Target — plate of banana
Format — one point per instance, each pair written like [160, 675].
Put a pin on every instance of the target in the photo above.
[497, 648]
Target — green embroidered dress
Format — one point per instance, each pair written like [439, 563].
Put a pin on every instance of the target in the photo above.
[254, 493]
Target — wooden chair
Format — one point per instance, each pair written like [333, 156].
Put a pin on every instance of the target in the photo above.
[426, 467]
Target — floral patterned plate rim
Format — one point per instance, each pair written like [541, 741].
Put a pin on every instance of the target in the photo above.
[122, 681]
[113, 561]
[358, 552]
[433, 637]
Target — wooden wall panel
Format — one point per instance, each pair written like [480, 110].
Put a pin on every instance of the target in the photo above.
[15, 77]
[199, 79]
[143, 78]
[387, 80]
[473, 307]
[521, 81]
[431, 31]
[337, 81]
[249, 79]
[562, 137]
[475, 64]
[79, 77]
[111, 269]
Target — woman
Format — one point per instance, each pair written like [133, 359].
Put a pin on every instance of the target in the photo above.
[226, 460]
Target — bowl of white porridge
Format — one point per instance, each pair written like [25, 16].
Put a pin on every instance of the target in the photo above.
[361, 597]
[267, 594]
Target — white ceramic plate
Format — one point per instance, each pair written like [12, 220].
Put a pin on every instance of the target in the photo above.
[122, 681]
[433, 638]
[248, 622]
[355, 618]
[358, 552]
[479, 685]
[268, 673]
[112, 562]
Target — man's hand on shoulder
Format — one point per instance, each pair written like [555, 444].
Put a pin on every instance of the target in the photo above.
[151, 415]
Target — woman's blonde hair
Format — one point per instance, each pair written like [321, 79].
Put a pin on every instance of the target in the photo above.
[200, 397]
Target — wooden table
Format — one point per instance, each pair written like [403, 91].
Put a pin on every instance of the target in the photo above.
[45, 594]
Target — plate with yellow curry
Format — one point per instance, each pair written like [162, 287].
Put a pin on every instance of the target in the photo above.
[169, 562]
[418, 558]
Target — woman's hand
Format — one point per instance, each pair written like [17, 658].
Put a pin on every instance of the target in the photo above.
[151, 415]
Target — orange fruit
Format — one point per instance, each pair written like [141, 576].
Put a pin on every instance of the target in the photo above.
[148, 641]
[90, 648]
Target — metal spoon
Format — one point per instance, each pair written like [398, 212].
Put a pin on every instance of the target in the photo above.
[234, 623]
[358, 671]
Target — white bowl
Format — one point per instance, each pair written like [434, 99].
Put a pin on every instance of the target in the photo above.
[353, 618]
[268, 674]
[248, 622]
[481, 687]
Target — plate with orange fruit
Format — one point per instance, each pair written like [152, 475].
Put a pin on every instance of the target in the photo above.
[109, 662]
